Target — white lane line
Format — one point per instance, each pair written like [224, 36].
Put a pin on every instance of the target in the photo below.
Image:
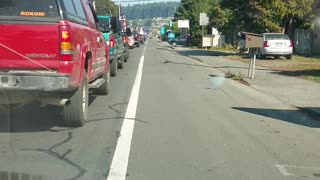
[119, 165]
[283, 170]
[303, 167]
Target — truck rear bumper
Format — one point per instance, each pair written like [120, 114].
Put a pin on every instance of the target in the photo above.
[33, 82]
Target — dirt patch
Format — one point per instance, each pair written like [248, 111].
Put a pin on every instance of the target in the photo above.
[302, 67]
[237, 77]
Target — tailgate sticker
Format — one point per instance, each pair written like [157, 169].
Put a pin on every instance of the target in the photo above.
[34, 14]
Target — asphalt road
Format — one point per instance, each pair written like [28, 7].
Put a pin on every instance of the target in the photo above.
[191, 123]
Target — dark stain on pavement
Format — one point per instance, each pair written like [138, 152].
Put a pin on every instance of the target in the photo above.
[316, 175]
[293, 116]
[62, 157]
[118, 117]
[112, 107]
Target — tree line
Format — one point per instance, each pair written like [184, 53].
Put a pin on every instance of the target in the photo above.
[104, 7]
[258, 16]
[150, 10]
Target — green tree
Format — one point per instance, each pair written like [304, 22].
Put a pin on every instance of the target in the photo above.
[265, 15]
[103, 7]
[190, 9]
[294, 14]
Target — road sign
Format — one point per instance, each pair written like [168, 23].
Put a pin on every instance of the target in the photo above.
[204, 19]
[202, 15]
[183, 24]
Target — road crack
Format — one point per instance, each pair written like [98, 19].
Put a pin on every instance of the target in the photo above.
[62, 157]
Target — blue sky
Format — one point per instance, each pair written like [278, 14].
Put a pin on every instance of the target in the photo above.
[126, 2]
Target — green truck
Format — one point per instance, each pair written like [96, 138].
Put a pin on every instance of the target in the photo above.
[118, 50]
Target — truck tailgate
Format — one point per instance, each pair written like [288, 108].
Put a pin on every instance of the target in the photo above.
[29, 30]
[37, 42]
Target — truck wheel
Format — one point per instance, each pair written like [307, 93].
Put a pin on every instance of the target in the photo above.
[75, 114]
[114, 68]
[261, 57]
[289, 57]
[104, 88]
[121, 61]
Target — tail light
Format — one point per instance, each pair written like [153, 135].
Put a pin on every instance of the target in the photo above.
[66, 45]
[111, 41]
[291, 44]
[266, 44]
[124, 39]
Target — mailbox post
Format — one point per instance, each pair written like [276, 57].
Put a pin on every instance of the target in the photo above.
[253, 42]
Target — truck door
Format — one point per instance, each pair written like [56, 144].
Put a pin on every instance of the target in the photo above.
[97, 43]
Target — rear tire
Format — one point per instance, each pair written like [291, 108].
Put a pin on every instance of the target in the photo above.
[289, 57]
[138, 45]
[121, 61]
[104, 88]
[114, 68]
[261, 57]
[75, 114]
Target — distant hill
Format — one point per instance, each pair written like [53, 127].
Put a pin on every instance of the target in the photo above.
[150, 10]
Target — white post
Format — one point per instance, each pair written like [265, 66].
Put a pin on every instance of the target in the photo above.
[202, 38]
[254, 64]
[250, 65]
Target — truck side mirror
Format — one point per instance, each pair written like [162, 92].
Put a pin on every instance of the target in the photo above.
[114, 24]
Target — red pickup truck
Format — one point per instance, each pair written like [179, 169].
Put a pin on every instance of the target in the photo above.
[53, 52]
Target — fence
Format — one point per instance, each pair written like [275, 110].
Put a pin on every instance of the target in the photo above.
[303, 42]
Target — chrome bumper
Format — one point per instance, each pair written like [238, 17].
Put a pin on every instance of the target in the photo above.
[34, 81]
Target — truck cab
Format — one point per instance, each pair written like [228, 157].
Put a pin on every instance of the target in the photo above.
[113, 34]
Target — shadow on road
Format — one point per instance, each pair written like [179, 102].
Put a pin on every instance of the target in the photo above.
[303, 73]
[31, 118]
[300, 117]
[27, 118]
[200, 52]
[208, 66]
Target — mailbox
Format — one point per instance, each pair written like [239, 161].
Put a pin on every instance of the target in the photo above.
[251, 40]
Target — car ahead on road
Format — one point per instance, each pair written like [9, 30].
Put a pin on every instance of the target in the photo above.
[181, 41]
[112, 31]
[60, 55]
[143, 38]
[126, 46]
[129, 38]
[137, 38]
[276, 44]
